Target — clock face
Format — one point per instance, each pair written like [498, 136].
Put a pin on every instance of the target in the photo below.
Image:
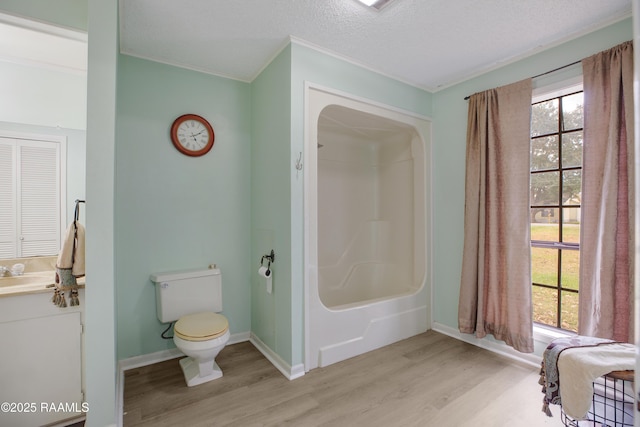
[192, 135]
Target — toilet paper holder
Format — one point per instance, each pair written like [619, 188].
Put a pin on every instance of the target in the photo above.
[270, 258]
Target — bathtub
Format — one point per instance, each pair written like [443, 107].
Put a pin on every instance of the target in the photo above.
[366, 220]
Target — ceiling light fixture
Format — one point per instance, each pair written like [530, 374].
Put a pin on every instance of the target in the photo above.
[377, 4]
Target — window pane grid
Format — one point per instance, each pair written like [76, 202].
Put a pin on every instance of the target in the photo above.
[542, 285]
[556, 172]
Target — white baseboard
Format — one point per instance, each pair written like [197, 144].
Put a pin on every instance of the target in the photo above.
[496, 347]
[172, 353]
[290, 372]
[69, 421]
[149, 359]
[240, 337]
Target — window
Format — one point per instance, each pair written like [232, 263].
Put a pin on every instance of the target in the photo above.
[556, 179]
[31, 200]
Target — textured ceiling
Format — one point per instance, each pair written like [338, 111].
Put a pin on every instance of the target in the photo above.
[427, 43]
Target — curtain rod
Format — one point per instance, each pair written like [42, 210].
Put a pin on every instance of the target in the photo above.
[543, 74]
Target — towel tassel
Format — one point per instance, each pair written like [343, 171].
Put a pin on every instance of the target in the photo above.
[62, 302]
[73, 298]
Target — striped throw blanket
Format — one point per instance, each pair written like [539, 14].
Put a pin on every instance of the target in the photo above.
[549, 375]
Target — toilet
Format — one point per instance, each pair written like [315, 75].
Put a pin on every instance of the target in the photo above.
[193, 299]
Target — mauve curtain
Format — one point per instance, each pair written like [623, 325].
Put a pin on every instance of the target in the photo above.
[495, 288]
[607, 223]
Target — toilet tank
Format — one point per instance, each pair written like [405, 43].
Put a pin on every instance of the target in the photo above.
[179, 293]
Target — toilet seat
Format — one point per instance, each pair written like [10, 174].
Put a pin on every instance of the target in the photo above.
[201, 326]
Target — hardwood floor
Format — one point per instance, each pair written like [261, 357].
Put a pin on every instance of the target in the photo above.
[427, 380]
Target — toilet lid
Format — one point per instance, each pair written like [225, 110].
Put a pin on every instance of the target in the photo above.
[201, 326]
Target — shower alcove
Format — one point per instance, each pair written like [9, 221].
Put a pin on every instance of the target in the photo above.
[366, 199]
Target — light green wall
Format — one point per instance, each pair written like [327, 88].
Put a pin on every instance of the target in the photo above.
[450, 118]
[176, 212]
[270, 203]
[100, 320]
[316, 67]
[64, 13]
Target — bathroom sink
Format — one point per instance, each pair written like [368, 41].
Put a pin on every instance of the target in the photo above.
[35, 279]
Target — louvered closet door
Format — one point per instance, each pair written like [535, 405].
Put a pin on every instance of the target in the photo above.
[38, 198]
[8, 238]
[30, 198]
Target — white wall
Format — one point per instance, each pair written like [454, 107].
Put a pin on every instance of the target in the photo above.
[37, 99]
[40, 96]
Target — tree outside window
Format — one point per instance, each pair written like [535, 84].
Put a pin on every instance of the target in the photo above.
[555, 190]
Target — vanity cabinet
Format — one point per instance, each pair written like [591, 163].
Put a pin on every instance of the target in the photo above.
[41, 373]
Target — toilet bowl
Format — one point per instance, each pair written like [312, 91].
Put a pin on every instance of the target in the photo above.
[201, 336]
[193, 299]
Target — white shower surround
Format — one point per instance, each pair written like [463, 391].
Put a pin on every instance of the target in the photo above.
[367, 260]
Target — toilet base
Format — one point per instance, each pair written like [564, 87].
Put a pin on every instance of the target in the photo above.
[191, 370]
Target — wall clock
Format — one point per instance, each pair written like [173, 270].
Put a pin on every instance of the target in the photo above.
[192, 135]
